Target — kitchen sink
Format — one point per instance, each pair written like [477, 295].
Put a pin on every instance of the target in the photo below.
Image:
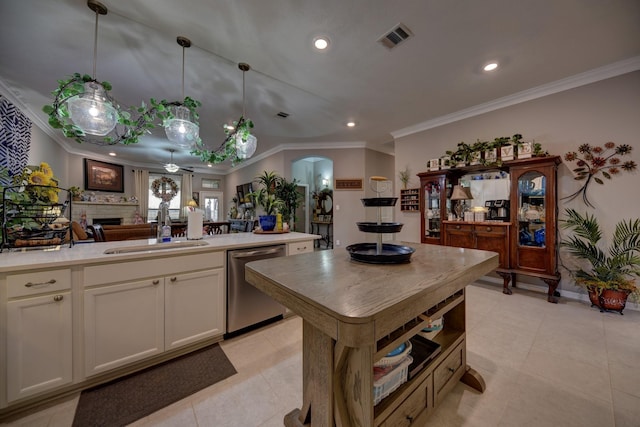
[155, 247]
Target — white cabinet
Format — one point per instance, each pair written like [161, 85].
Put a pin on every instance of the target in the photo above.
[194, 307]
[39, 332]
[124, 323]
[130, 321]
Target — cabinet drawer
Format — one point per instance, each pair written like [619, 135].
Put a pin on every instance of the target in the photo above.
[449, 371]
[40, 282]
[412, 407]
[461, 228]
[127, 271]
[300, 247]
[492, 230]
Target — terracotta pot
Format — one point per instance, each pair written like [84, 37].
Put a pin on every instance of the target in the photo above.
[609, 299]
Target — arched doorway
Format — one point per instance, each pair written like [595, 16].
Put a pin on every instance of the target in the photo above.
[315, 176]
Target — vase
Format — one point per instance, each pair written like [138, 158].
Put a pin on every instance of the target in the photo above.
[267, 222]
[609, 299]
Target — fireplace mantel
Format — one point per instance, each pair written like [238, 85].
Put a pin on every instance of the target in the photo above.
[124, 210]
[106, 203]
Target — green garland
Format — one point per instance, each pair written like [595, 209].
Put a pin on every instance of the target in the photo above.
[131, 128]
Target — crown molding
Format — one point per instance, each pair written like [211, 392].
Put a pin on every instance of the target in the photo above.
[588, 77]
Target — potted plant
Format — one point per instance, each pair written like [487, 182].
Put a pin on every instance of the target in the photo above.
[287, 192]
[75, 192]
[609, 277]
[462, 156]
[405, 176]
[266, 198]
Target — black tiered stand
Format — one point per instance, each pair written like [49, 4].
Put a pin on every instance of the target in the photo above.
[380, 253]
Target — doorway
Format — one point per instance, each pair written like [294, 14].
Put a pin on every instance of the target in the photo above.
[211, 205]
[314, 174]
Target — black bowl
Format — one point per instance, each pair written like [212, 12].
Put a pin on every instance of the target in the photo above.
[385, 227]
[390, 254]
[380, 201]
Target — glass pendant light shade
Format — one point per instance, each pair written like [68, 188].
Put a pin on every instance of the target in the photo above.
[180, 129]
[245, 149]
[91, 111]
[171, 167]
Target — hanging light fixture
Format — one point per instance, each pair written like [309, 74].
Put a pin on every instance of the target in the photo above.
[180, 129]
[171, 167]
[246, 143]
[92, 111]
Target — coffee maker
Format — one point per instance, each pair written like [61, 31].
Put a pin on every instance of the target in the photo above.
[498, 210]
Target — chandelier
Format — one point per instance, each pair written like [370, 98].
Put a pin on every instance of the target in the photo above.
[240, 143]
[246, 143]
[92, 110]
[83, 109]
[171, 167]
[180, 129]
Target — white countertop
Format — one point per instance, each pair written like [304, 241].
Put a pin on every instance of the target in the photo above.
[86, 253]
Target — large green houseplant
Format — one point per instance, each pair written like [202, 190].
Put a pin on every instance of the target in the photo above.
[267, 199]
[287, 192]
[609, 277]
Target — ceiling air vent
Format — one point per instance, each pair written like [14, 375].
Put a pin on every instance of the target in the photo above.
[395, 36]
[282, 115]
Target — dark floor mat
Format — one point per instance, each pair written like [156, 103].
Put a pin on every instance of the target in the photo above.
[130, 398]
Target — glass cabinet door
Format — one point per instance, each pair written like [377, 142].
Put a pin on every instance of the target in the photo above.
[432, 208]
[531, 210]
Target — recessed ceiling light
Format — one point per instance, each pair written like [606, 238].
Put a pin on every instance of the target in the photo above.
[321, 43]
[491, 66]
[351, 124]
[112, 154]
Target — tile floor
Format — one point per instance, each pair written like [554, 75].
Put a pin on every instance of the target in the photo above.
[544, 365]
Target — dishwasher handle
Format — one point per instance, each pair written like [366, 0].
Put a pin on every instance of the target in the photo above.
[259, 252]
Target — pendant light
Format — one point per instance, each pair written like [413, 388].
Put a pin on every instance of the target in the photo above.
[246, 143]
[171, 167]
[180, 129]
[92, 111]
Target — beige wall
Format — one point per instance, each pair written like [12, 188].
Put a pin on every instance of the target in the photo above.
[45, 149]
[347, 163]
[604, 111]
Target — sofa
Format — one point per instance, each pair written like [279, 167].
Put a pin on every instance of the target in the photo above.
[112, 233]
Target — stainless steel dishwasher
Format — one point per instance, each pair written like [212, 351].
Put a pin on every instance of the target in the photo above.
[246, 305]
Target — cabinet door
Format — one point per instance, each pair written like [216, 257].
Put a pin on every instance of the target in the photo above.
[432, 209]
[39, 344]
[459, 235]
[494, 238]
[123, 323]
[534, 242]
[194, 307]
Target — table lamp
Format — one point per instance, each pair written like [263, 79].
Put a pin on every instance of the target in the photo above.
[460, 194]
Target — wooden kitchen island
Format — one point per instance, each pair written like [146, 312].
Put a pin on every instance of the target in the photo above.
[355, 313]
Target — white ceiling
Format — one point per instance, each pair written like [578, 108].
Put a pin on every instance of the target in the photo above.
[434, 74]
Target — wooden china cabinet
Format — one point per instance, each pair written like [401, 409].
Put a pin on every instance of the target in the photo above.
[527, 242]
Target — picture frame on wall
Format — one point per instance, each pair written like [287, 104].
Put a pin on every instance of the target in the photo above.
[103, 176]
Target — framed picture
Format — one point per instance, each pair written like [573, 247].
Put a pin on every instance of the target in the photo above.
[348, 184]
[102, 176]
